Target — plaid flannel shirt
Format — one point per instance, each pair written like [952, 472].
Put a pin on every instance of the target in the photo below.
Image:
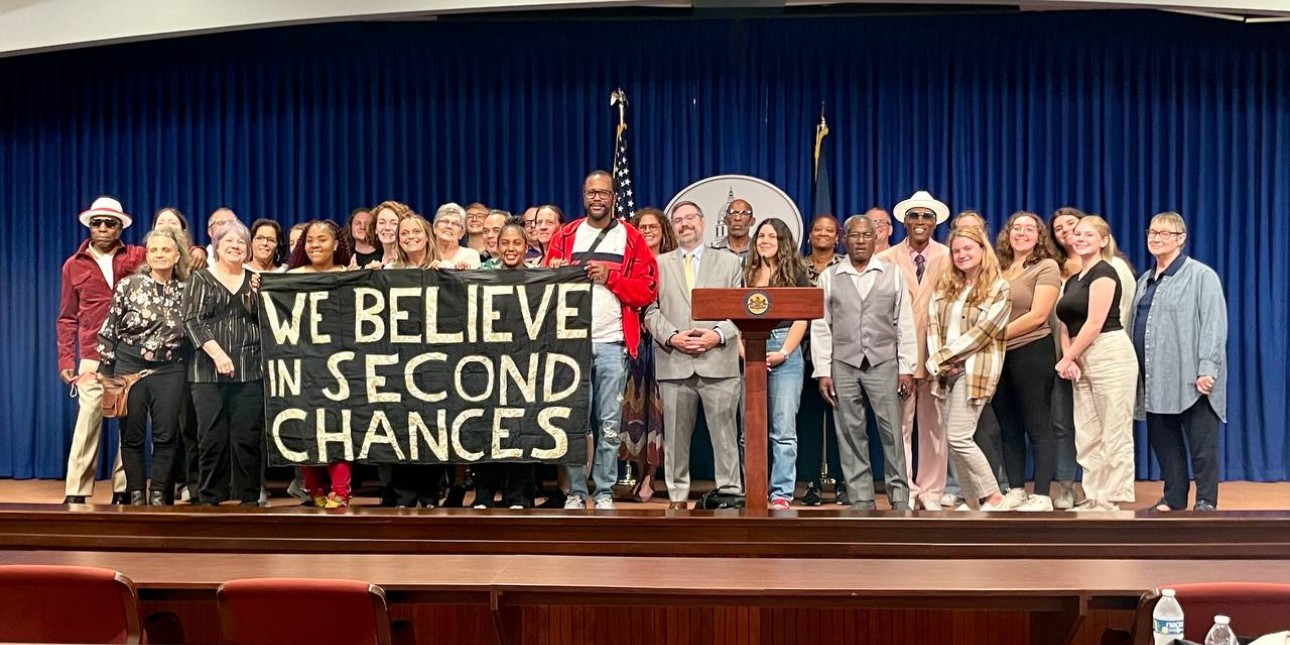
[978, 349]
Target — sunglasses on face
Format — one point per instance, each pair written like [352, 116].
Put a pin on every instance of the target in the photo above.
[920, 215]
[110, 222]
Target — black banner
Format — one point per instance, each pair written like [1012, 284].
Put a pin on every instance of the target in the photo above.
[411, 366]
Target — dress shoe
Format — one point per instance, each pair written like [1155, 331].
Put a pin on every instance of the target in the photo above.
[864, 505]
[120, 499]
[74, 499]
[676, 506]
[456, 497]
[1204, 507]
[840, 496]
[812, 496]
[138, 498]
[158, 498]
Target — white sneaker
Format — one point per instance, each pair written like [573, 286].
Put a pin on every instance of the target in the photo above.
[604, 504]
[1037, 504]
[297, 490]
[963, 507]
[184, 495]
[575, 503]
[950, 501]
[1015, 498]
[988, 507]
[929, 505]
[517, 507]
[479, 507]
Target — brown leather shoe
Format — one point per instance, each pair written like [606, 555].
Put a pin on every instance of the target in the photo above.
[676, 506]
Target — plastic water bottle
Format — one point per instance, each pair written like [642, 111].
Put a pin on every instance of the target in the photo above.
[1167, 619]
[1221, 632]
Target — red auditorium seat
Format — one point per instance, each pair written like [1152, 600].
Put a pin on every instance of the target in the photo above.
[275, 611]
[63, 604]
[1255, 609]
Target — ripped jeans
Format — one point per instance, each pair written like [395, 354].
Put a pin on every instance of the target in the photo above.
[608, 382]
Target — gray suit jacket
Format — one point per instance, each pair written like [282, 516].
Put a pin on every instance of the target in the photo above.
[671, 313]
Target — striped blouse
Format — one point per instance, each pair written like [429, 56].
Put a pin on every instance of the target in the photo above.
[211, 312]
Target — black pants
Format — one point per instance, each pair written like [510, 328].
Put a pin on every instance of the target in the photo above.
[230, 429]
[186, 471]
[515, 480]
[415, 485]
[159, 396]
[1023, 405]
[1165, 433]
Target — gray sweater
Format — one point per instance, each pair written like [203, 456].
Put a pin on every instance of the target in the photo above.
[1186, 338]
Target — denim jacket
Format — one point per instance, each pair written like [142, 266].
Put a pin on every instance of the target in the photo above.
[1186, 337]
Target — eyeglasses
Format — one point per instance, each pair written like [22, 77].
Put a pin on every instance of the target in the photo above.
[1018, 228]
[449, 222]
[110, 222]
[880, 223]
[264, 238]
[692, 217]
[603, 194]
[920, 215]
[649, 227]
[1154, 234]
[860, 236]
[740, 214]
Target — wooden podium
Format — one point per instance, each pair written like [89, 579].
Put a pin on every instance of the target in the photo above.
[756, 312]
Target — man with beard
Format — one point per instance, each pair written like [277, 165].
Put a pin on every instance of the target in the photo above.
[922, 260]
[89, 278]
[697, 360]
[864, 350]
[624, 278]
[739, 222]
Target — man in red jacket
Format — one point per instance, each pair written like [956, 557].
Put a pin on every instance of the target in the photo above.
[625, 279]
[89, 277]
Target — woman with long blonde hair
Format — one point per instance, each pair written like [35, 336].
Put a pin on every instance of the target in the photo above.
[967, 321]
[1098, 358]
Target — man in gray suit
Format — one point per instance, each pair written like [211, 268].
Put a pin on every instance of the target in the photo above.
[697, 360]
[865, 348]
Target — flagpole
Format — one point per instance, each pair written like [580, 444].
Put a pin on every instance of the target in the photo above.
[618, 98]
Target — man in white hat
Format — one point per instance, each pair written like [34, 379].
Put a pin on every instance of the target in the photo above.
[922, 260]
[89, 277]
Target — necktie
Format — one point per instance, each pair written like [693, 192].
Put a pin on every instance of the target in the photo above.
[920, 263]
[689, 271]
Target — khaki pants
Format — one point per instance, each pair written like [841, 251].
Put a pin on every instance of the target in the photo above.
[1104, 397]
[84, 454]
[960, 417]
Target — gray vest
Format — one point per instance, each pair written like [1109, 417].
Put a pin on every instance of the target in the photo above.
[868, 328]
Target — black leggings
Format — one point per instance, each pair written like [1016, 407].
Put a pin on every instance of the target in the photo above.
[1023, 404]
[158, 396]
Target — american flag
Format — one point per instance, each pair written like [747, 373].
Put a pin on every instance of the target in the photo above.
[624, 192]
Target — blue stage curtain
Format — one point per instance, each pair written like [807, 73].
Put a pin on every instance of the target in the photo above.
[1123, 114]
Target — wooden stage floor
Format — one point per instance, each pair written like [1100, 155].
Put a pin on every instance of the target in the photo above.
[643, 575]
[1233, 496]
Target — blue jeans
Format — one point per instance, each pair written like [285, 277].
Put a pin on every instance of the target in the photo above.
[784, 394]
[608, 383]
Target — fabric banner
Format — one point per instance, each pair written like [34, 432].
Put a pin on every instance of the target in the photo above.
[411, 366]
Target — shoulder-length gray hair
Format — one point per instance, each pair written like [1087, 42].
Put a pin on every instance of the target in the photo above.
[231, 228]
[180, 240]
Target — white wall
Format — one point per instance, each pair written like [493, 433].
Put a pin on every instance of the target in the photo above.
[28, 26]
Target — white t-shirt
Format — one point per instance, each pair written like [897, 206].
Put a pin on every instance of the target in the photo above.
[606, 310]
[104, 261]
[464, 255]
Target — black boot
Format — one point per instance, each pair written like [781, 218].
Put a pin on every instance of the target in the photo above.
[840, 496]
[120, 499]
[137, 498]
[812, 496]
[157, 497]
